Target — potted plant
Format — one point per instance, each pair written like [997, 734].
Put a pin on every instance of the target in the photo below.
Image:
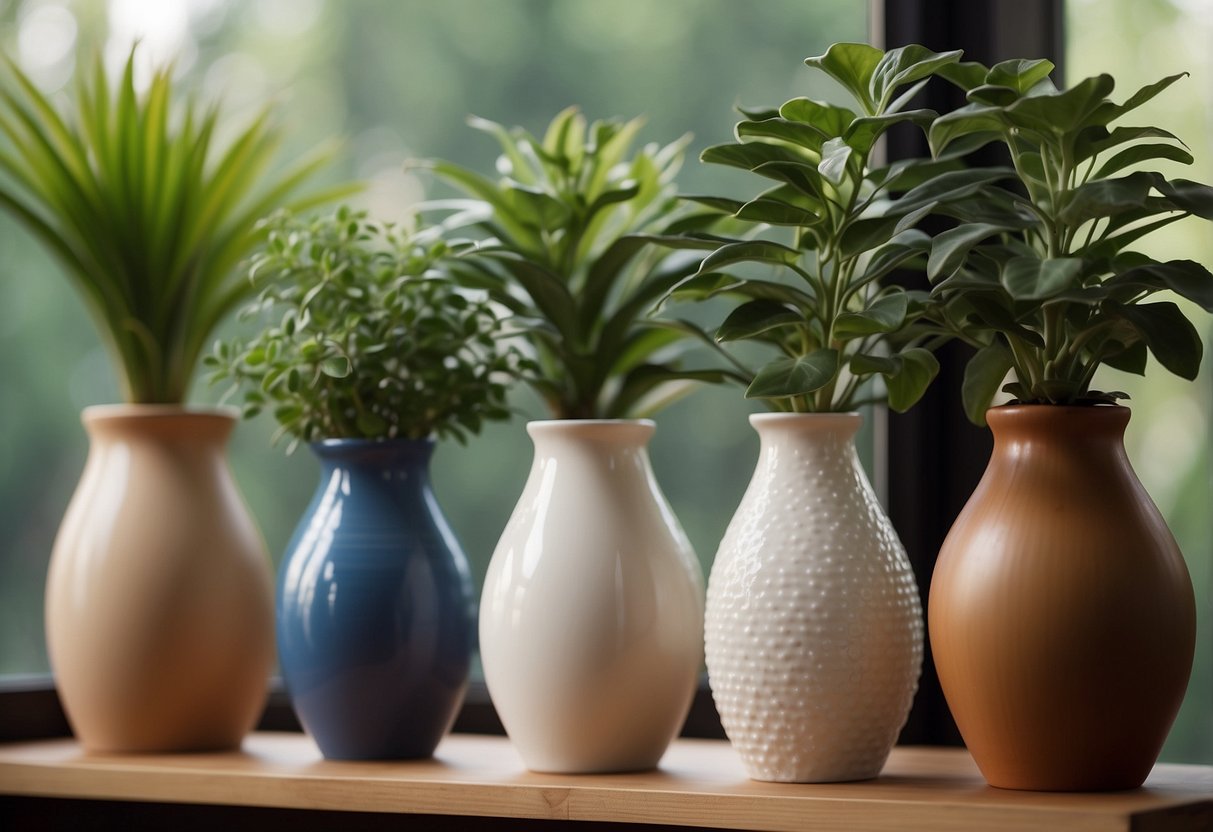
[1061, 612]
[370, 356]
[814, 625]
[592, 611]
[158, 616]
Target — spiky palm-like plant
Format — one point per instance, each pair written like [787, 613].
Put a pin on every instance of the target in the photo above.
[147, 213]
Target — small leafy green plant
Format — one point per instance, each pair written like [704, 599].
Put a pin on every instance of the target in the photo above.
[835, 324]
[364, 338]
[148, 216]
[1040, 275]
[565, 242]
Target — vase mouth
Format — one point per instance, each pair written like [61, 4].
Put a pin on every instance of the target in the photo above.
[1078, 419]
[131, 411]
[383, 450]
[609, 430]
[848, 422]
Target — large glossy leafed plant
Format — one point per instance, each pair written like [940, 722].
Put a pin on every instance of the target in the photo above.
[146, 211]
[1041, 274]
[566, 242]
[849, 221]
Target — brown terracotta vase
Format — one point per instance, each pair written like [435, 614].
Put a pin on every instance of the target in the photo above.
[1061, 612]
[159, 607]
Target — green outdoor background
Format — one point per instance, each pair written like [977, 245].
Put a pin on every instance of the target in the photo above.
[397, 78]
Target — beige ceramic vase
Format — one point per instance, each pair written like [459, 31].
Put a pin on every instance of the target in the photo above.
[591, 621]
[159, 610]
[1061, 615]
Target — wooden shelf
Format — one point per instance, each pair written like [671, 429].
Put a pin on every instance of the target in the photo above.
[700, 783]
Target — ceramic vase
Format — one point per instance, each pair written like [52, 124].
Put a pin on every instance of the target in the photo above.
[591, 621]
[814, 624]
[375, 605]
[1062, 615]
[159, 615]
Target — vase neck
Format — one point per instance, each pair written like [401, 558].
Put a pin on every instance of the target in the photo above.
[160, 423]
[820, 428]
[410, 455]
[616, 433]
[1043, 424]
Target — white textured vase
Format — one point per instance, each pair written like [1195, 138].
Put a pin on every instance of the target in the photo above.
[814, 626]
[591, 621]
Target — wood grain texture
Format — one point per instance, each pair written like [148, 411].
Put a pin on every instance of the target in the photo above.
[700, 784]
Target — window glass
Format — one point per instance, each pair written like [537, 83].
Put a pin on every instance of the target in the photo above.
[396, 78]
[1169, 436]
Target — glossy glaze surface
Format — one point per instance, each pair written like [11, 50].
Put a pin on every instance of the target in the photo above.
[159, 613]
[814, 625]
[1061, 612]
[591, 621]
[375, 605]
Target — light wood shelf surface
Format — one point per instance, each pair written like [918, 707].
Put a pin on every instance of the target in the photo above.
[700, 783]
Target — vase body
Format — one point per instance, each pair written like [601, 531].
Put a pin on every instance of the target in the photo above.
[375, 606]
[1062, 616]
[591, 621]
[159, 613]
[814, 625]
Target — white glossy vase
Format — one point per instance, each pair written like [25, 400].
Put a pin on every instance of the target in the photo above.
[159, 607]
[814, 625]
[591, 622]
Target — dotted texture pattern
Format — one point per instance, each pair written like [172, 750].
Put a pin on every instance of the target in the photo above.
[814, 626]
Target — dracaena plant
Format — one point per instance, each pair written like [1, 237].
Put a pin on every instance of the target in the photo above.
[566, 237]
[833, 322]
[364, 337]
[147, 213]
[1041, 275]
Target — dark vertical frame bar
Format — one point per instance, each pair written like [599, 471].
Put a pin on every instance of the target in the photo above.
[935, 455]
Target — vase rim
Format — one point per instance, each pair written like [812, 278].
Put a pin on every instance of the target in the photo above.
[1099, 413]
[131, 411]
[807, 419]
[543, 423]
[351, 442]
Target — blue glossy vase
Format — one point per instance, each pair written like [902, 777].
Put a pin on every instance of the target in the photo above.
[375, 606]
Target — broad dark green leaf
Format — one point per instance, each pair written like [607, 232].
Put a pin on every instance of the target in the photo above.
[1029, 278]
[905, 65]
[949, 248]
[1109, 112]
[964, 74]
[756, 317]
[1141, 153]
[829, 120]
[919, 367]
[787, 377]
[793, 132]
[863, 132]
[752, 251]
[776, 212]
[852, 66]
[984, 375]
[951, 186]
[1063, 111]
[1019, 74]
[886, 314]
[750, 155]
[1132, 359]
[1097, 139]
[1186, 195]
[1168, 333]
[867, 234]
[1186, 278]
[965, 121]
[1107, 197]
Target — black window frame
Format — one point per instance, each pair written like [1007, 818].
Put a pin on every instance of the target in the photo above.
[933, 454]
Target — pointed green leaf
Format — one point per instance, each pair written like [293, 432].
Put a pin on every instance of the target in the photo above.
[852, 65]
[1019, 74]
[919, 367]
[886, 314]
[950, 248]
[983, 377]
[1169, 334]
[787, 377]
[756, 317]
[1028, 278]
